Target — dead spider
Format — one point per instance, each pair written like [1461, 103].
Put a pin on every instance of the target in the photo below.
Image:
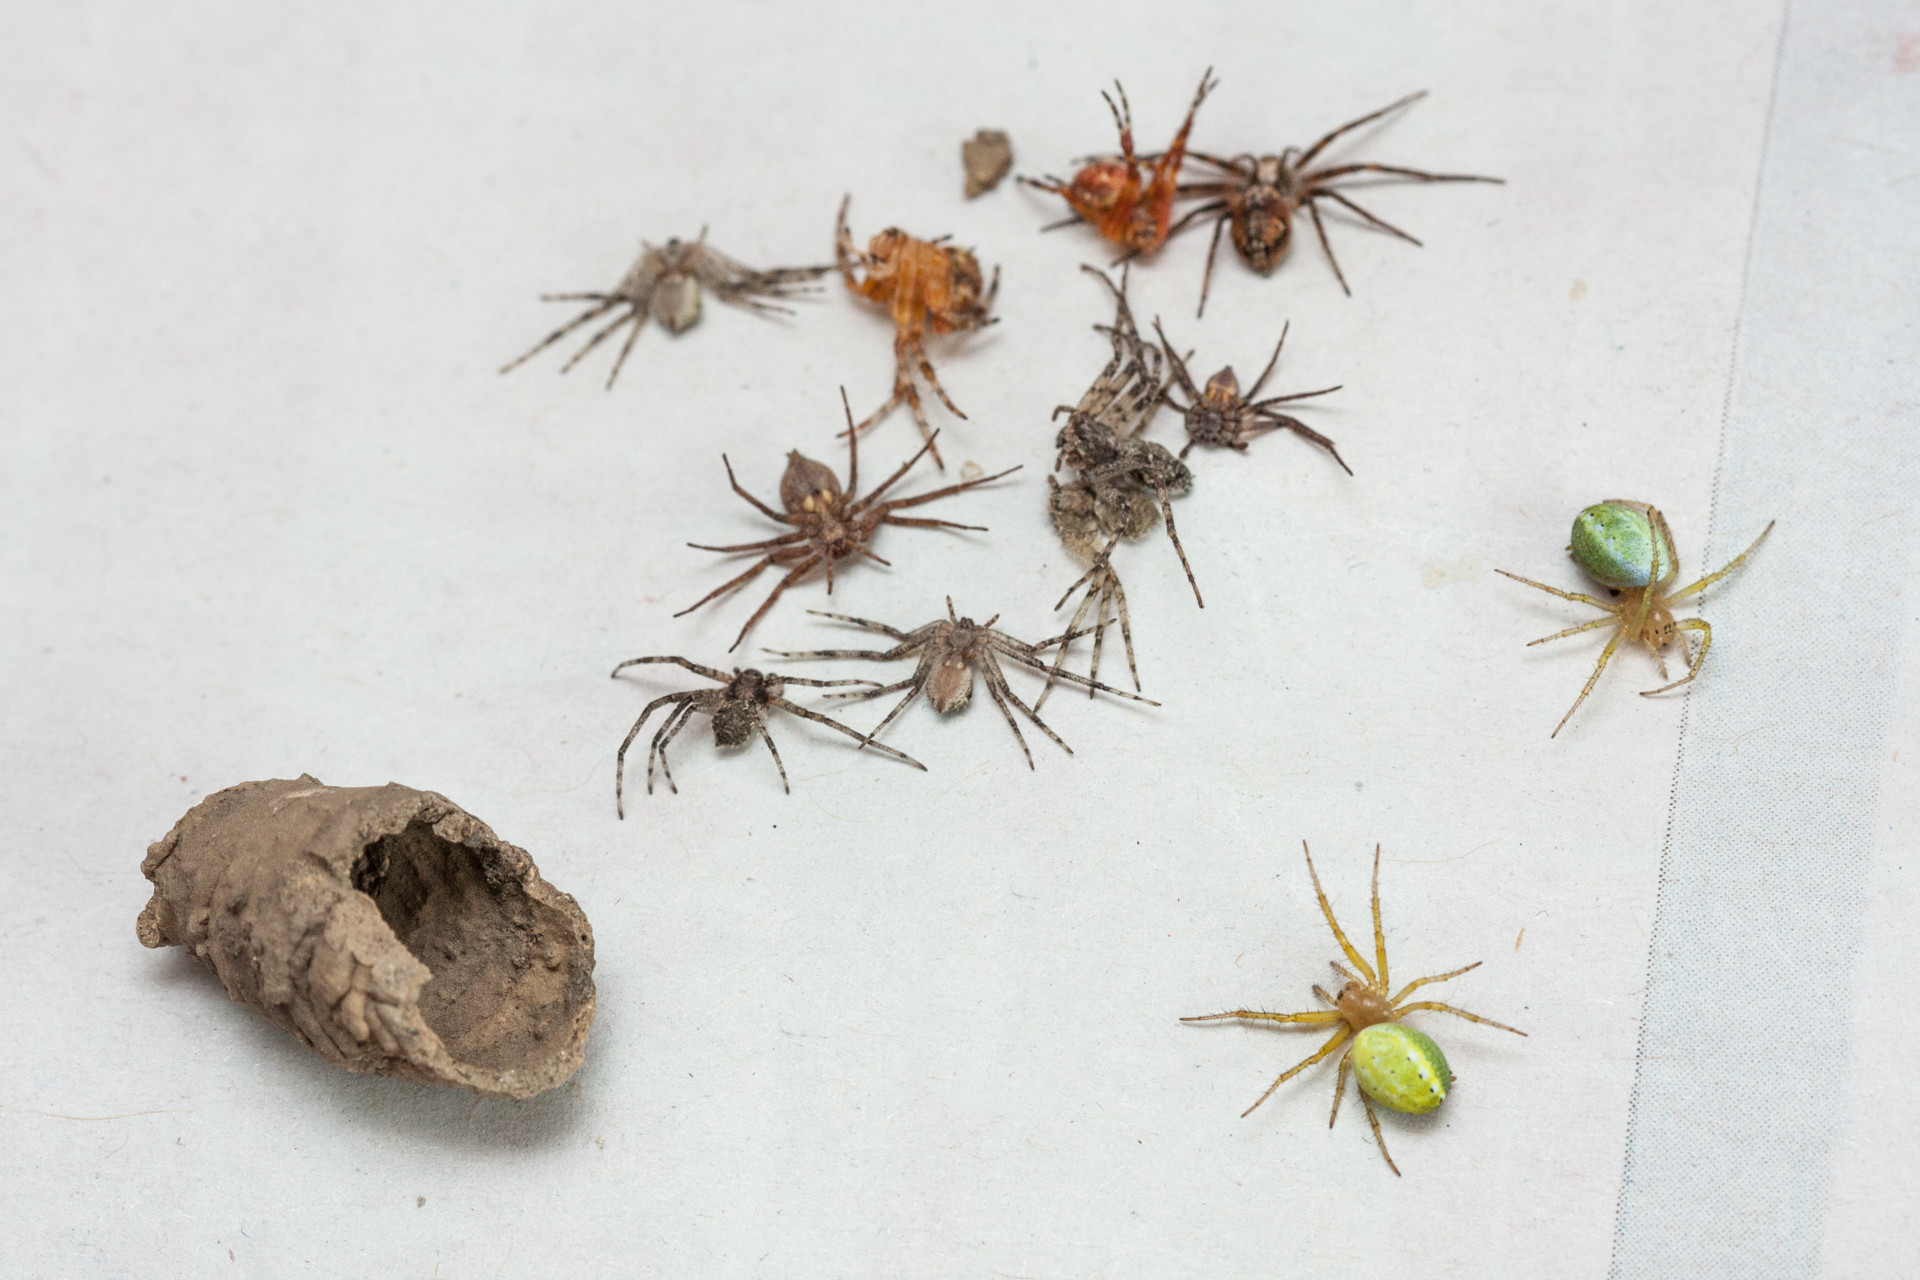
[1259, 196]
[830, 523]
[1101, 440]
[1220, 415]
[951, 651]
[1081, 516]
[925, 284]
[739, 711]
[665, 284]
[1128, 198]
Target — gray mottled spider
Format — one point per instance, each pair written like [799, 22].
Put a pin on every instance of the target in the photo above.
[665, 284]
[739, 710]
[1124, 483]
[1220, 415]
[950, 651]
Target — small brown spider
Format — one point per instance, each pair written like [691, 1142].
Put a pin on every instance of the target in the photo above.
[1259, 196]
[925, 284]
[739, 711]
[1101, 439]
[950, 651]
[665, 284]
[1080, 516]
[830, 523]
[1220, 415]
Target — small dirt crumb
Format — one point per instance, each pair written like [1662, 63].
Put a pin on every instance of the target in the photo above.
[987, 156]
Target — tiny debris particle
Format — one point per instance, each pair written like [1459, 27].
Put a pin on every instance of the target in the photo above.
[988, 156]
[419, 1202]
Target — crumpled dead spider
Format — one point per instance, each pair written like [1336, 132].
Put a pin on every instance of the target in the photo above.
[1124, 482]
[830, 523]
[1128, 198]
[1220, 415]
[925, 284]
[951, 650]
[665, 284]
[1258, 196]
[739, 711]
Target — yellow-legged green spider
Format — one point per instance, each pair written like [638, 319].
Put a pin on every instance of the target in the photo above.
[1627, 548]
[1394, 1065]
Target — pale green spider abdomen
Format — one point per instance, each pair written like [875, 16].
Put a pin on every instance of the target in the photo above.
[1617, 543]
[1400, 1068]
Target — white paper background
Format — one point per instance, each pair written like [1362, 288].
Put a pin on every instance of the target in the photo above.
[269, 509]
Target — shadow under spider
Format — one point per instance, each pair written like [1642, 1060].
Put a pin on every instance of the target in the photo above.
[739, 711]
[951, 651]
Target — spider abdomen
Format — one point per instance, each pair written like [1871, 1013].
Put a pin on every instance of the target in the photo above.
[950, 687]
[1401, 1068]
[1623, 544]
[1262, 227]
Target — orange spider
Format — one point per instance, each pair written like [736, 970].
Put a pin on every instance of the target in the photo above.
[925, 284]
[1110, 193]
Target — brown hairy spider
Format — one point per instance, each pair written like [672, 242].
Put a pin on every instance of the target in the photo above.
[925, 284]
[951, 650]
[1220, 415]
[1259, 196]
[665, 284]
[830, 523]
[739, 711]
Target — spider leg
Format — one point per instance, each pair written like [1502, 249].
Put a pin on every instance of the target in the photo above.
[913, 684]
[1301, 429]
[844, 254]
[725, 587]
[1726, 569]
[668, 732]
[893, 479]
[761, 506]
[1333, 924]
[1206, 274]
[1035, 664]
[784, 540]
[933, 380]
[1340, 1086]
[1333, 1042]
[1000, 702]
[1273, 362]
[1438, 977]
[1379, 935]
[879, 692]
[709, 672]
[767, 738]
[591, 313]
[620, 758]
[1320, 230]
[1296, 395]
[637, 317]
[918, 498]
[1073, 627]
[1216, 207]
[874, 655]
[1607, 621]
[1307, 157]
[1381, 223]
[1605, 655]
[1180, 373]
[794, 575]
[1374, 1121]
[864, 740]
[1564, 595]
[998, 686]
[625, 348]
[919, 523]
[870, 625]
[1419, 175]
[1693, 666]
[1166, 511]
[1437, 1007]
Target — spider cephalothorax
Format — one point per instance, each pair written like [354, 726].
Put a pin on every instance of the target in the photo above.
[1129, 198]
[1258, 196]
[1393, 1064]
[1219, 414]
[925, 285]
[951, 651]
[1627, 548]
[739, 711]
[665, 284]
[829, 523]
